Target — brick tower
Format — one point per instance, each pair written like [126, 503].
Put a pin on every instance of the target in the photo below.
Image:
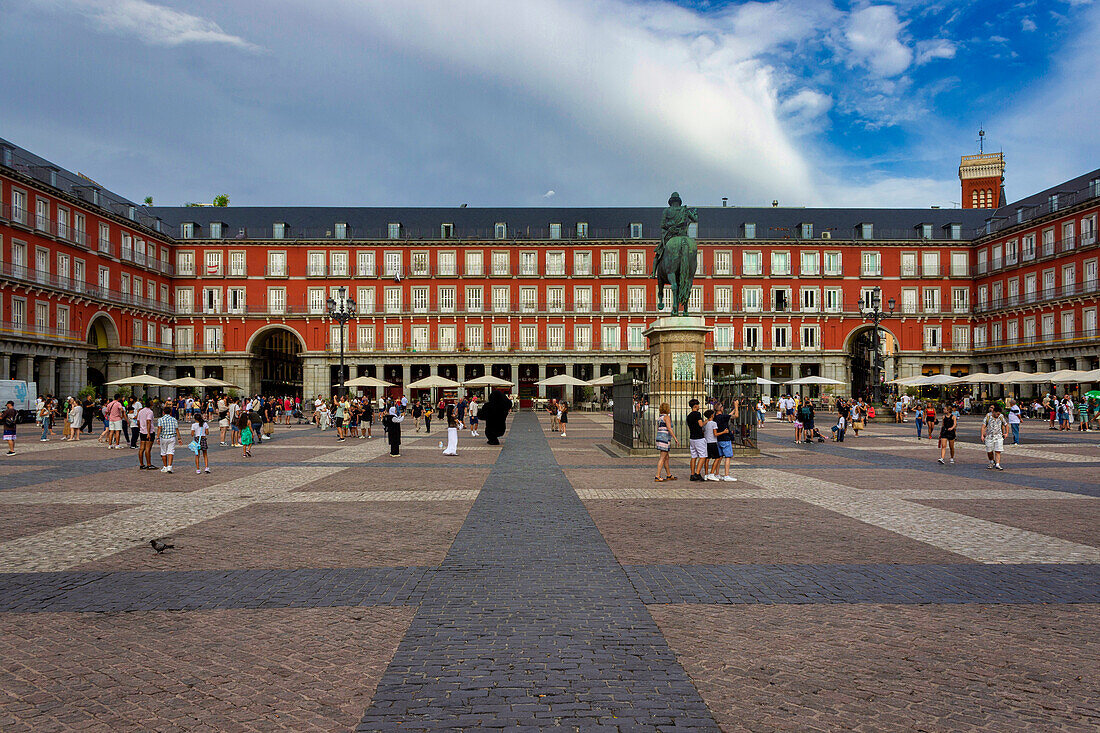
[982, 177]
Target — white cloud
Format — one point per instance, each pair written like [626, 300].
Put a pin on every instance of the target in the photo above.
[806, 109]
[872, 37]
[151, 23]
[1028, 25]
[549, 194]
[937, 48]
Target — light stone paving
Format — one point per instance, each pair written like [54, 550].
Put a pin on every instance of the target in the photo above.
[153, 497]
[1010, 450]
[416, 495]
[785, 493]
[978, 539]
[67, 547]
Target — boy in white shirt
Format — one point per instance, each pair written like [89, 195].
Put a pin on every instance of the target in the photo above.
[710, 428]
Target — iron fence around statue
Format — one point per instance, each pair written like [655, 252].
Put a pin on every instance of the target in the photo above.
[638, 405]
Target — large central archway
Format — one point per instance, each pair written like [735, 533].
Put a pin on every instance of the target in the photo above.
[277, 362]
[102, 341]
[861, 362]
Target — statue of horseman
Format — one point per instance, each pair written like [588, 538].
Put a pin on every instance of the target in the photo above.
[674, 260]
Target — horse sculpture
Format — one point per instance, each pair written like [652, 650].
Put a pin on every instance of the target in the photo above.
[676, 268]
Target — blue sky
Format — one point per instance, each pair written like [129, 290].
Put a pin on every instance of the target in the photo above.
[551, 102]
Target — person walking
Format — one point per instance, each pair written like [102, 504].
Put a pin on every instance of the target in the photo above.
[9, 418]
[368, 417]
[244, 430]
[396, 416]
[146, 426]
[427, 412]
[471, 412]
[664, 439]
[167, 427]
[43, 416]
[114, 413]
[452, 432]
[1014, 420]
[75, 418]
[563, 416]
[948, 433]
[199, 429]
[918, 419]
[994, 431]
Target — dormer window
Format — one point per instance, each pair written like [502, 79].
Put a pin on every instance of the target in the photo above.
[1053, 202]
[216, 229]
[393, 230]
[807, 230]
[954, 231]
[925, 231]
[500, 230]
[582, 230]
[555, 231]
[446, 231]
[187, 230]
[750, 230]
[341, 230]
[866, 231]
[636, 230]
[278, 230]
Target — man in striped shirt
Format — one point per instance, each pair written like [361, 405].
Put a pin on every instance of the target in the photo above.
[167, 426]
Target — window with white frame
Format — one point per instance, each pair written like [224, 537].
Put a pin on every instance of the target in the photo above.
[237, 264]
[723, 299]
[1069, 280]
[932, 338]
[930, 264]
[211, 300]
[582, 230]
[41, 213]
[833, 264]
[695, 299]
[276, 301]
[781, 299]
[960, 263]
[500, 230]
[502, 336]
[1012, 252]
[931, 300]
[216, 229]
[18, 206]
[752, 299]
[555, 263]
[809, 300]
[960, 337]
[364, 263]
[502, 300]
[340, 231]
[338, 336]
[315, 264]
[635, 262]
[364, 299]
[447, 299]
[979, 337]
[475, 262]
[610, 339]
[276, 264]
[420, 265]
[723, 262]
[866, 231]
[1089, 279]
[528, 300]
[582, 263]
[909, 264]
[1048, 242]
[448, 340]
[475, 337]
[1048, 326]
[419, 338]
[104, 237]
[447, 264]
[447, 231]
[392, 297]
[338, 263]
[393, 230]
[1088, 230]
[1014, 291]
[809, 263]
[235, 300]
[609, 299]
[609, 262]
[151, 333]
[808, 337]
[960, 300]
[391, 336]
[528, 338]
[63, 268]
[1012, 331]
[751, 264]
[185, 301]
[635, 339]
[750, 230]
[419, 300]
[185, 338]
[104, 277]
[364, 338]
[636, 299]
[751, 337]
[1067, 236]
[315, 300]
[582, 337]
[475, 299]
[555, 231]
[781, 263]
[187, 230]
[528, 263]
[212, 339]
[555, 299]
[391, 264]
[185, 263]
[870, 264]
[278, 230]
[63, 223]
[833, 301]
[722, 338]
[500, 263]
[555, 337]
[635, 230]
[582, 299]
[781, 337]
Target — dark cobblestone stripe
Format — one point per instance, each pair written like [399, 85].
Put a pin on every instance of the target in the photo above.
[209, 589]
[901, 584]
[531, 622]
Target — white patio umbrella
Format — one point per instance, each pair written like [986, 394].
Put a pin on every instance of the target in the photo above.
[368, 382]
[1091, 376]
[1017, 377]
[215, 382]
[432, 381]
[605, 381]
[1068, 376]
[814, 380]
[143, 379]
[487, 381]
[188, 382]
[976, 378]
[761, 381]
[562, 380]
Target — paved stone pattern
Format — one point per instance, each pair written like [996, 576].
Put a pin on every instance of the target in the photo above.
[892, 668]
[882, 583]
[531, 622]
[225, 670]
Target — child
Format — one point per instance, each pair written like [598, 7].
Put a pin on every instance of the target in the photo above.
[245, 426]
[199, 429]
[838, 429]
[709, 435]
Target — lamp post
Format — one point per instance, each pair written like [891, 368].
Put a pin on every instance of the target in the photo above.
[872, 310]
[341, 310]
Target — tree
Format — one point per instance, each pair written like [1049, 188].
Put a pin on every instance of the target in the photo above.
[148, 201]
[221, 200]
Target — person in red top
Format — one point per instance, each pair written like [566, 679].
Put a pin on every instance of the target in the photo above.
[115, 412]
[288, 409]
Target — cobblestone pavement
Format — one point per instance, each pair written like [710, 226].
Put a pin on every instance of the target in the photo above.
[328, 586]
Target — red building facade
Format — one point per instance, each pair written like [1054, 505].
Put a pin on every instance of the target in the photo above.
[241, 293]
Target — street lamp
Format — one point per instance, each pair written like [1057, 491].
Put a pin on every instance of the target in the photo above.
[872, 309]
[341, 310]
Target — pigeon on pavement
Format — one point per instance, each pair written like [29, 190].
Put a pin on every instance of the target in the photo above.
[160, 546]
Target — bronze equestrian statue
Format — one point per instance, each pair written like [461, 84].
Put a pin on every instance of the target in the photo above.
[674, 259]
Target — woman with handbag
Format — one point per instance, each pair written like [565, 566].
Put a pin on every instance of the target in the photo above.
[198, 446]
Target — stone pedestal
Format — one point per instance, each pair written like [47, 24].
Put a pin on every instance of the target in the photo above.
[677, 346]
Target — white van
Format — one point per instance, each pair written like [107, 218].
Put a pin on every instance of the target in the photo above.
[23, 394]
